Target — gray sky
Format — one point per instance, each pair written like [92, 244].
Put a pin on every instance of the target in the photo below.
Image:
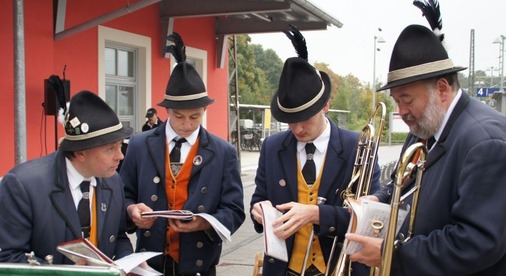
[350, 49]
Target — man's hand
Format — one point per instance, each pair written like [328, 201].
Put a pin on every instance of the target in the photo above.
[135, 211]
[296, 216]
[257, 212]
[370, 254]
[197, 223]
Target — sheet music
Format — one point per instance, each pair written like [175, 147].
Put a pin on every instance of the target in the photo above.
[273, 246]
[220, 229]
[366, 212]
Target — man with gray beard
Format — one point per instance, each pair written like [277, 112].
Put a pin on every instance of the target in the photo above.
[459, 227]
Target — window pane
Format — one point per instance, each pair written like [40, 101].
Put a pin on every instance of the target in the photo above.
[125, 63]
[110, 61]
[110, 97]
[126, 100]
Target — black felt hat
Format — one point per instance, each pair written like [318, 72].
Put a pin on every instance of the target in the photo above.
[90, 123]
[419, 53]
[151, 111]
[303, 90]
[185, 89]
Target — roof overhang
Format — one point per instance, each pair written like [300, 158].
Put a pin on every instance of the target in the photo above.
[231, 17]
[249, 17]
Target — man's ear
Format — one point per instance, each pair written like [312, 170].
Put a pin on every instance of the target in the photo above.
[79, 155]
[444, 90]
[326, 107]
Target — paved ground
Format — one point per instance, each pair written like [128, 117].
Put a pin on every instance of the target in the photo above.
[238, 255]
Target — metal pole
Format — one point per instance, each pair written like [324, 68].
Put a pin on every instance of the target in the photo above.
[19, 84]
[501, 59]
[374, 76]
[236, 85]
[492, 76]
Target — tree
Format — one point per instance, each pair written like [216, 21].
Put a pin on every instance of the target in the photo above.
[259, 71]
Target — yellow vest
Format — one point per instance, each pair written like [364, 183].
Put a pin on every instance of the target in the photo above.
[306, 195]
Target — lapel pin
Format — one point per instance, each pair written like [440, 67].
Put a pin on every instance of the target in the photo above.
[197, 160]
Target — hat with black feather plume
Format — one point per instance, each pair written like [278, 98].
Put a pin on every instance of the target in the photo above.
[419, 53]
[303, 90]
[185, 89]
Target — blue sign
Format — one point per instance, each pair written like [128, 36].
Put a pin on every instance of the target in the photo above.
[486, 91]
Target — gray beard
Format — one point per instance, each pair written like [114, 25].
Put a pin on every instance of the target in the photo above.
[431, 119]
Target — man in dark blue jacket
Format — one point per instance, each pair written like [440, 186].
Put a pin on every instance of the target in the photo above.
[181, 166]
[459, 227]
[313, 159]
[40, 198]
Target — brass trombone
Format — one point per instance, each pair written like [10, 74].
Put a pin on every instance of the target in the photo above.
[319, 200]
[361, 177]
[412, 162]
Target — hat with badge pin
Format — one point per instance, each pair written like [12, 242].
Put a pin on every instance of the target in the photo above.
[90, 122]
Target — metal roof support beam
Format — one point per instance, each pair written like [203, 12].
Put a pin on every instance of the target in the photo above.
[104, 18]
[251, 26]
[221, 50]
[196, 8]
[61, 12]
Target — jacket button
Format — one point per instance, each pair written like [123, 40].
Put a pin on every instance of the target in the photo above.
[203, 190]
[156, 179]
[199, 263]
[332, 229]
[154, 198]
[147, 234]
[282, 183]
[271, 260]
[112, 238]
[200, 244]
[201, 208]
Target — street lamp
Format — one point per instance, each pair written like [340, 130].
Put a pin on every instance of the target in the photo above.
[377, 39]
[500, 41]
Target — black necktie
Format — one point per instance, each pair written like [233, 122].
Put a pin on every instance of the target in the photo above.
[175, 154]
[309, 169]
[430, 142]
[83, 209]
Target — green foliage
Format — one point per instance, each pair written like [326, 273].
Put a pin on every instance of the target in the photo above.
[259, 71]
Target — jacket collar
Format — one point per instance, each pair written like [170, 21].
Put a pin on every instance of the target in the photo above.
[158, 137]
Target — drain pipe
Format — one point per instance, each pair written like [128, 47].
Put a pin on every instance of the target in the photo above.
[19, 84]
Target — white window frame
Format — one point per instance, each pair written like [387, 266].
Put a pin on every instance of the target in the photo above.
[143, 69]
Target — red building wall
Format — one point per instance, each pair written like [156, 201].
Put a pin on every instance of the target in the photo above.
[79, 52]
